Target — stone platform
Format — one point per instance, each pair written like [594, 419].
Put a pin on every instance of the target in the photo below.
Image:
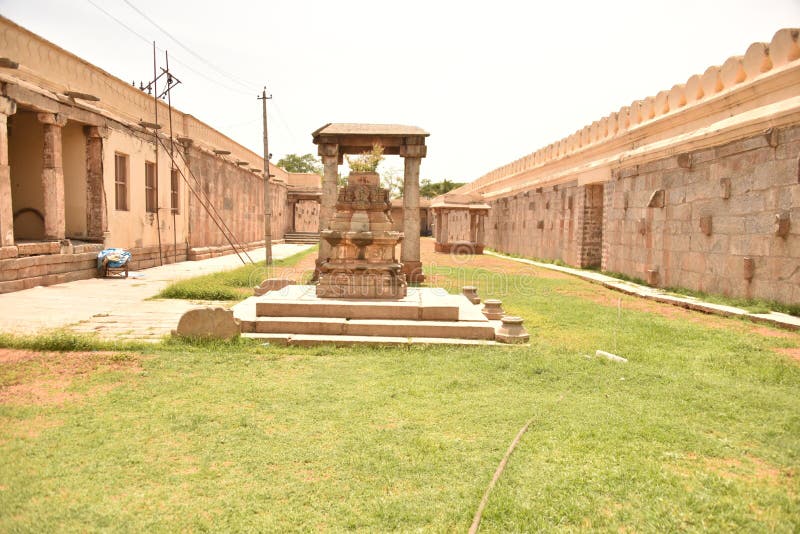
[296, 315]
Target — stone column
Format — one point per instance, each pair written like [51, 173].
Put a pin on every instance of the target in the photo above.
[7, 107]
[409, 252]
[330, 162]
[480, 236]
[96, 206]
[53, 176]
[444, 240]
[473, 226]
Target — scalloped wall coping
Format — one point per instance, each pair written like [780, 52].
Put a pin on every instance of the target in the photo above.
[767, 74]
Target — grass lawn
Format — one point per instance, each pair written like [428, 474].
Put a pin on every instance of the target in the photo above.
[699, 431]
[233, 284]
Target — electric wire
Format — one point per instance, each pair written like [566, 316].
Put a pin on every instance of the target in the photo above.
[245, 84]
[176, 60]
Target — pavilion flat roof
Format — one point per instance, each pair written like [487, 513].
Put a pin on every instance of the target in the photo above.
[383, 130]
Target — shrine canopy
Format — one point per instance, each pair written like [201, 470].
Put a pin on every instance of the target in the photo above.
[353, 138]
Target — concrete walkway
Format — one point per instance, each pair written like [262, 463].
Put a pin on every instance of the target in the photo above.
[781, 320]
[116, 307]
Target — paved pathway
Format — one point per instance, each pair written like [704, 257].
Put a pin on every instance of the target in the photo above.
[116, 307]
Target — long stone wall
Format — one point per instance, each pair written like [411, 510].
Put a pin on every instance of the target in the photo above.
[697, 187]
[237, 196]
[711, 220]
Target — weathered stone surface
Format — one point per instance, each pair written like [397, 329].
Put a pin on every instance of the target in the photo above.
[471, 292]
[511, 331]
[362, 262]
[213, 322]
[493, 309]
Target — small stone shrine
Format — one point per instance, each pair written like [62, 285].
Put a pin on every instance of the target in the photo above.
[362, 262]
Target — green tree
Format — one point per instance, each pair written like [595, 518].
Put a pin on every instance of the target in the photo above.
[304, 163]
[429, 189]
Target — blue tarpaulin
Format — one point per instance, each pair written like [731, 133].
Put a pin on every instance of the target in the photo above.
[116, 258]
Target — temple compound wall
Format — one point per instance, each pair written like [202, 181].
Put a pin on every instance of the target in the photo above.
[81, 170]
[697, 187]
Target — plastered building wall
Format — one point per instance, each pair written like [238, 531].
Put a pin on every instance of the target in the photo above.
[74, 161]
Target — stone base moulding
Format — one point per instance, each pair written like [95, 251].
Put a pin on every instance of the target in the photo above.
[493, 309]
[512, 331]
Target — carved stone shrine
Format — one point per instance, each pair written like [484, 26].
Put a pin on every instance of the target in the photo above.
[362, 262]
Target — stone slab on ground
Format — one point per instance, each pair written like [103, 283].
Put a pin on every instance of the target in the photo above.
[213, 322]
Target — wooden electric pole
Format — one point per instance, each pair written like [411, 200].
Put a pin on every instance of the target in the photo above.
[267, 203]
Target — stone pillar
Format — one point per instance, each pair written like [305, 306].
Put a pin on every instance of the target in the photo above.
[7, 107]
[445, 239]
[53, 176]
[96, 207]
[589, 235]
[480, 235]
[330, 162]
[409, 251]
[473, 226]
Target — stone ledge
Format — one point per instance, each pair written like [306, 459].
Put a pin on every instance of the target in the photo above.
[780, 320]
[303, 340]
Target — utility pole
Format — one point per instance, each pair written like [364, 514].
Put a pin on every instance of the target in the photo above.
[267, 203]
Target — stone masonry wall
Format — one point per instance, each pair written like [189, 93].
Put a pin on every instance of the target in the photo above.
[722, 220]
[237, 194]
[539, 223]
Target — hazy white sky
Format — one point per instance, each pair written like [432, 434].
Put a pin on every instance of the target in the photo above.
[491, 81]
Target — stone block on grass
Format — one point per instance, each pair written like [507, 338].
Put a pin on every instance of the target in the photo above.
[210, 322]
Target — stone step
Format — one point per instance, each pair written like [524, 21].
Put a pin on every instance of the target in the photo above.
[420, 304]
[303, 238]
[347, 340]
[331, 326]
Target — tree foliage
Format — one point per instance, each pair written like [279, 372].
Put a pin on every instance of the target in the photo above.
[368, 161]
[429, 189]
[304, 163]
[392, 179]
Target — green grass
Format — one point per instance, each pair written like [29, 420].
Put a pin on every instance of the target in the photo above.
[699, 431]
[234, 284]
[751, 305]
[66, 341]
